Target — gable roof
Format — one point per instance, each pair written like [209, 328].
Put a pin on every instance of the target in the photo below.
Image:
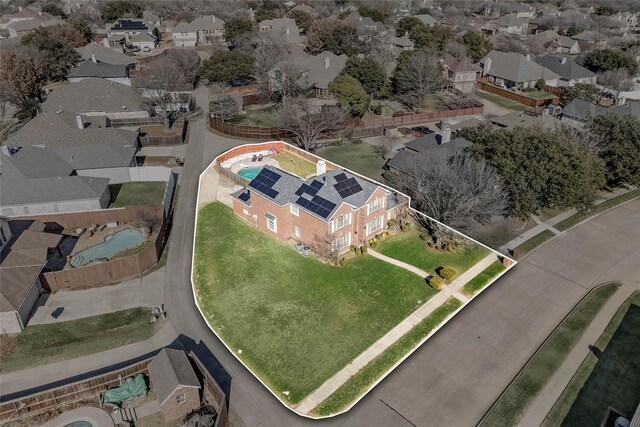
[169, 370]
[516, 67]
[458, 65]
[106, 55]
[581, 108]
[418, 151]
[287, 26]
[32, 24]
[567, 70]
[509, 20]
[552, 36]
[515, 119]
[293, 190]
[88, 68]
[321, 69]
[209, 22]
[426, 19]
[16, 283]
[93, 95]
[39, 162]
[590, 36]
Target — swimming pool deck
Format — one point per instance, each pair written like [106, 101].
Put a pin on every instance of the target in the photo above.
[96, 416]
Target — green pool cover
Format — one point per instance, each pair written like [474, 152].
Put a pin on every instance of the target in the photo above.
[132, 387]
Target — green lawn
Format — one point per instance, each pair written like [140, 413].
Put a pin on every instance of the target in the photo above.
[294, 320]
[357, 157]
[260, 116]
[579, 217]
[41, 344]
[538, 94]
[136, 193]
[360, 382]
[482, 279]
[410, 248]
[295, 164]
[607, 379]
[500, 101]
[533, 243]
[543, 365]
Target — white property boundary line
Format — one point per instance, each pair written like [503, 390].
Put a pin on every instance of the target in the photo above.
[409, 353]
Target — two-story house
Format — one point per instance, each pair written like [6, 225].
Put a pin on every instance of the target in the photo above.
[205, 30]
[555, 43]
[287, 27]
[130, 32]
[461, 74]
[309, 72]
[335, 205]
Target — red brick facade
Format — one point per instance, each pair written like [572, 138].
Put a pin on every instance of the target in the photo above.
[348, 225]
[172, 409]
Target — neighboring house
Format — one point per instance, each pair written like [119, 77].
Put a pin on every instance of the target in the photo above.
[335, 207]
[91, 68]
[426, 19]
[127, 32]
[310, 72]
[5, 232]
[417, 152]
[515, 71]
[306, 9]
[106, 55]
[569, 71]
[366, 27]
[509, 24]
[401, 43]
[578, 111]
[461, 74]
[594, 38]
[497, 9]
[24, 257]
[286, 26]
[175, 384]
[556, 43]
[96, 97]
[36, 183]
[515, 119]
[21, 28]
[205, 30]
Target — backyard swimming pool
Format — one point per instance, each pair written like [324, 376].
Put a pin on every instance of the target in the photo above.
[250, 173]
[120, 241]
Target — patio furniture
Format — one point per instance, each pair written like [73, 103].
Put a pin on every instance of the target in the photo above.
[254, 158]
[260, 157]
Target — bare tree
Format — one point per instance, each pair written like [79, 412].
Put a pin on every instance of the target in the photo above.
[451, 188]
[419, 77]
[164, 91]
[456, 49]
[325, 247]
[509, 43]
[223, 107]
[269, 48]
[384, 146]
[187, 61]
[306, 126]
[616, 80]
[284, 82]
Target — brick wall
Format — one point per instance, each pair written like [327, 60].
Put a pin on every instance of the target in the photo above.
[172, 410]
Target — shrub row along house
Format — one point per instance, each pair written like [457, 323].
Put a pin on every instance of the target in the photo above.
[334, 208]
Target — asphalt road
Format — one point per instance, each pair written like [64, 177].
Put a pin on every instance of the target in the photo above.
[455, 377]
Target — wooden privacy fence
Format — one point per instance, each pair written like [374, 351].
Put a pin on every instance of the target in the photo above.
[514, 96]
[58, 399]
[212, 393]
[164, 140]
[353, 128]
[89, 218]
[136, 121]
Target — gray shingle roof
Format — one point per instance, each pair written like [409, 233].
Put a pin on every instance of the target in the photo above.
[516, 67]
[583, 109]
[104, 54]
[88, 68]
[93, 94]
[590, 36]
[16, 282]
[568, 71]
[426, 19]
[287, 26]
[97, 156]
[59, 130]
[418, 151]
[38, 162]
[288, 185]
[516, 119]
[169, 370]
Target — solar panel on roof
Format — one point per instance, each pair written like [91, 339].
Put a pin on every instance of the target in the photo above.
[244, 196]
[348, 187]
[341, 177]
[318, 205]
[316, 184]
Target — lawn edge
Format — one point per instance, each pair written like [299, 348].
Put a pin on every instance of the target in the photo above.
[539, 350]
[498, 254]
[597, 214]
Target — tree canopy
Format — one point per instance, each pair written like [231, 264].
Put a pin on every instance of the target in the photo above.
[302, 18]
[116, 9]
[540, 170]
[610, 60]
[583, 91]
[619, 146]
[372, 12]
[55, 43]
[225, 66]
[417, 75]
[23, 75]
[368, 72]
[234, 28]
[478, 46]
[53, 9]
[350, 94]
[333, 35]
[433, 38]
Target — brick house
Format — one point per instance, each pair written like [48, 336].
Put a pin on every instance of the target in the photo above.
[462, 75]
[175, 383]
[334, 204]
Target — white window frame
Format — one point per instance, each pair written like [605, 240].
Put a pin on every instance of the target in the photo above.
[296, 231]
[295, 210]
[272, 222]
[375, 225]
[344, 220]
[181, 399]
[341, 242]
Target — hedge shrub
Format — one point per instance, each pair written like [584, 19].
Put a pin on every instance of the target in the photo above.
[436, 282]
[447, 273]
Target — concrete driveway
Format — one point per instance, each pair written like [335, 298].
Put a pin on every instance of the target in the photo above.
[145, 292]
